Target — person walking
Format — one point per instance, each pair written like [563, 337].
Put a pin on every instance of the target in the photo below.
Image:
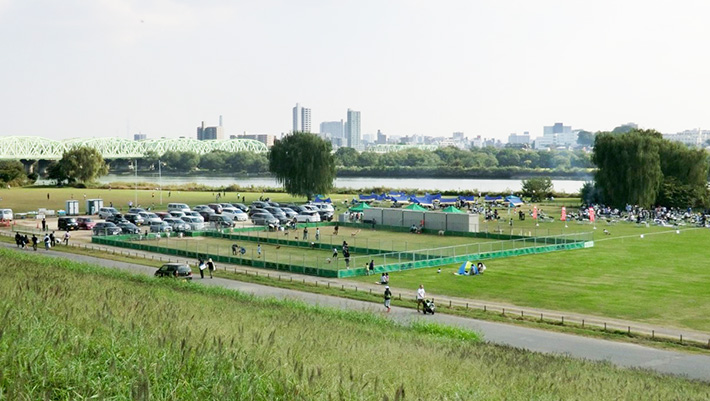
[201, 265]
[34, 242]
[210, 266]
[317, 234]
[421, 294]
[335, 253]
[388, 298]
[371, 267]
[258, 250]
[46, 242]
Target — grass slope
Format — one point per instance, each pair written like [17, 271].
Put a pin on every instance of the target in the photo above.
[71, 331]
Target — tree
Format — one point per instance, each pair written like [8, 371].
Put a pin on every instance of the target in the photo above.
[12, 172]
[180, 161]
[303, 163]
[585, 138]
[346, 157]
[82, 164]
[214, 161]
[538, 188]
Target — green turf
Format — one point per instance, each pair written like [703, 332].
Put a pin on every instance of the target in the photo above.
[72, 332]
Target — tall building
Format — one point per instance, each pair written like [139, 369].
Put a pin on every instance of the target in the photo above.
[335, 129]
[352, 129]
[209, 133]
[301, 119]
[381, 138]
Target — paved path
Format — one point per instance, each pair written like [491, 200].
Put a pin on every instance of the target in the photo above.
[622, 354]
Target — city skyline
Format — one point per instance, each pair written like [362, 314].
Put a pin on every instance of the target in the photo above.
[117, 68]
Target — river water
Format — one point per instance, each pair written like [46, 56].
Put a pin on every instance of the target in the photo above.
[426, 184]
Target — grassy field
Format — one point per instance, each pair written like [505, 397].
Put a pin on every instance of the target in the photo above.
[73, 331]
[661, 278]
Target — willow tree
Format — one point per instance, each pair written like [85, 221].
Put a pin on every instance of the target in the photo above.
[82, 164]
[303, 163]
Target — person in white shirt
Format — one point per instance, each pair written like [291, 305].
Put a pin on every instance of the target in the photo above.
[421, 294]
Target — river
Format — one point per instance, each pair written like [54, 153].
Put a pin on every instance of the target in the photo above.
[426, 184]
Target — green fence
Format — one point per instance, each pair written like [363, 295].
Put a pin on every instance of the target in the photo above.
[506, 246]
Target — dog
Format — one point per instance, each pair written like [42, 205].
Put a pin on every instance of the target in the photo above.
[355, 233]
[606, 232]
[441, 232]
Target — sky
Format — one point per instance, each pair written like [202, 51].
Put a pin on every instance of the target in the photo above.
[113, 68]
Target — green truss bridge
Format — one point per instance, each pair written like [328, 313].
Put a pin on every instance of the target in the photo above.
[38, 148]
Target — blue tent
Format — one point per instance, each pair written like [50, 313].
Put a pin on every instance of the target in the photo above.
[448, 200]
[321, 200]
[514, 200]
[367, 197]
[493, 198]
[470, 198]
[399, 198]
[421, 201]
[464, 267]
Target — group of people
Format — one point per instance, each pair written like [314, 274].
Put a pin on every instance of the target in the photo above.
[202, 265]
[49, 240]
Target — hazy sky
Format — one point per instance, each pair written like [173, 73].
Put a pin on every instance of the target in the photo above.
[96, 67]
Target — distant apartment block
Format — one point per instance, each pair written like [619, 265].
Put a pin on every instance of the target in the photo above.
[332, 129]
[557, 135]
[140, 137]
[519, 139]
[458, 136]
[381, 138]
[692, 138]
[301, 119]
[266, 139]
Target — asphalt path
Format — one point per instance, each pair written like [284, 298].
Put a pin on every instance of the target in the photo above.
[694, 366]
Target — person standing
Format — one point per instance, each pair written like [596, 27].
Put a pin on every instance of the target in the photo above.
[201, 265]
[305, 233]
[44, 224]
[258, 250]
[66, 238]
[52, 238]
[46, 242]
[421, 294]
[371, 267]
[317, 234]
[210, 266]
[34, 242]
[335, 253]
[388, 298]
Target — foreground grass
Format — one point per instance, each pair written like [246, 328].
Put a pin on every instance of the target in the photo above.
[70, 331]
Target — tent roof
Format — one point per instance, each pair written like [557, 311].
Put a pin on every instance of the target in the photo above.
[416, 207]
[452, 209]
[360, 207]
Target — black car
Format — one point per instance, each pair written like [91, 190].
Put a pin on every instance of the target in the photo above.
[116, 219]
[106, 228]
[134, 218]
[129, 228]
[178, 270]
[67, 224]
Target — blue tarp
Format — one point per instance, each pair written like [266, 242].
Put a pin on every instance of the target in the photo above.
[399, 198]
[421, 201]
[448, 200]
[467, 198]
[321, 200]
[493, 198]
[367, 197]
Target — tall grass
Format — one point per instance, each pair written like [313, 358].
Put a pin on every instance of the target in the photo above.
[70, 331]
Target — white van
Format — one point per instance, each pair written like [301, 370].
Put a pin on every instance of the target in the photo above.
[178, 207]
[6, 214]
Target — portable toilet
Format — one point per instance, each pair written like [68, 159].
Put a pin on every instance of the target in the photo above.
[93, 205]
[72, 207]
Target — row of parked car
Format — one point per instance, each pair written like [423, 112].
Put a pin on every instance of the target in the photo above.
[180, 218]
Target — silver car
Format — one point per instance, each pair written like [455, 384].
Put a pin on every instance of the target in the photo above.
[177, 224]
[264, 219]
[196, 224]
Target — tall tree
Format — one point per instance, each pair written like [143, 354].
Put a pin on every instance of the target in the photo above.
[585, 138]
[12, 172]
[83, 164]
[303, 163]
[537, 188]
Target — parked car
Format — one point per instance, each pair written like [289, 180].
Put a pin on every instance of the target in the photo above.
[244, 208]
[178, 270]
[308, 217]
[116, 218]
[178, 207]
[195, 214]
[234, 213]
[105, 212]
[161, 227]
[162, 215]
[290, 213]
[177, 225]
[67, 224]
[129, 228]
[216, 207]
[85, 223]
[205, 214]
[325, 210]
[273, 204]
[259, 204]
[177, 213]
[196, 223]
[136, 210]
[278, 213]
[134, 218]
[200, 208]
[6, 214]
[264, 219]
[106, 228]
[221, 221]
[254, 210]
[152, 218]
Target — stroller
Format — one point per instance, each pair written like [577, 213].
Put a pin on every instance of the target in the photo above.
[429, 307]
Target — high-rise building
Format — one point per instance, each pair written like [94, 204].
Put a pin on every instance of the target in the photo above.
[301, 119]
[352, 129]
[209, 133]
[381, 138]
[332, 128]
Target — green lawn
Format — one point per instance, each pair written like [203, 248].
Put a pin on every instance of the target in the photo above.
[662, 278]
[72, 331]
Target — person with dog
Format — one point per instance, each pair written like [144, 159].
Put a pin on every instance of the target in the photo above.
[421, 295]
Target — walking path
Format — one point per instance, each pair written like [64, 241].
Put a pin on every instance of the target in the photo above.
[621, 354]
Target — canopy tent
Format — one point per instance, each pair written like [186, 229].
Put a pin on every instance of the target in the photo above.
[493, 198]
[367, 197]
[448, 200]
[416, 207]
[398, 198]
[470, 198]
[514, 200]
[322, 200]
[452, 209]
[422, 201]
[360, 207]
